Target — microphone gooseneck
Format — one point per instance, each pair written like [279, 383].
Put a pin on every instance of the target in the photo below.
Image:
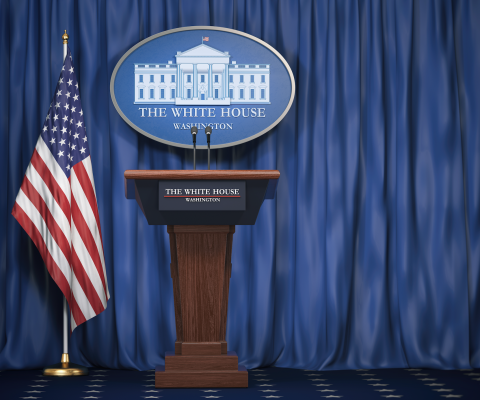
[194, 131]
[208, 132]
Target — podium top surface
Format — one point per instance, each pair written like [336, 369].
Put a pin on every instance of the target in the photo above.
[145, 185]
[201, 174]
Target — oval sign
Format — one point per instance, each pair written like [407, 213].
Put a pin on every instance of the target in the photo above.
[202, 76]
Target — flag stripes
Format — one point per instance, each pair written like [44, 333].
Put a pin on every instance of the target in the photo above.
[40, 209]
[87, 285]
[30, 224]
[83, 237]
[84, 174]
[51, 225]
[81, 298]
[77, 318]
[92, 277]
[54, 204]
[49, 180]
[84, 218]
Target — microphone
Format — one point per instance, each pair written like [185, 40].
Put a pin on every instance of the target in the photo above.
[208, 132]
[193, 131]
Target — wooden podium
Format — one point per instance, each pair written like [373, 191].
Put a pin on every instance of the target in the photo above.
[201, 227]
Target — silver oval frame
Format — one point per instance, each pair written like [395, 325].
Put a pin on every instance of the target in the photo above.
[191, 28]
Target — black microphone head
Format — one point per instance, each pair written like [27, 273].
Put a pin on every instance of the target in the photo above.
[194, 130]
[208, 130]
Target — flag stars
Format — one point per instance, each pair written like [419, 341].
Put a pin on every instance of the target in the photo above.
[48, 117]
[81, 112]
[45, 128]
[82, 150]
[57, 105]
[73, 109]
[59, 93]
[65, 118]
[76, 85]
[68, 166]
[73, 146]
[70, 82]
[75, 98]
[54, 129]
[60, 153]
[55, 117]
[68, 94]
[64, 130]
[79, 124]
[76, 135]
[60, 80]
[71, 68]
[66, 106]
[52, 141]
[71, 121]
[85, 139]
[62, 142]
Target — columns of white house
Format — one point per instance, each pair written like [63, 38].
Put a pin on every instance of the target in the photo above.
[225, 82]
[177, 92]
[195, 81]
[181, 84]
[210, 83]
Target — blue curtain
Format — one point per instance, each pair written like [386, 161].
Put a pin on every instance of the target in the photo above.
[369, 257]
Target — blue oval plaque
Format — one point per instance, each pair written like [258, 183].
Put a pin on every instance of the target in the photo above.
[202, 76]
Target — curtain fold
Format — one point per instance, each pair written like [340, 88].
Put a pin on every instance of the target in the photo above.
[369, 256]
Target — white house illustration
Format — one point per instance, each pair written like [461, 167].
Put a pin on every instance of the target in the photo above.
[202, 76]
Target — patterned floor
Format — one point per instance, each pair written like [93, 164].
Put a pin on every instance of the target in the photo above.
[268, 383]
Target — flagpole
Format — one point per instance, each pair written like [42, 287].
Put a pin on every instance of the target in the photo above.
[65, 306]
[65, 367]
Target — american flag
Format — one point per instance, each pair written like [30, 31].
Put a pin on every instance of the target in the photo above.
[205, 39]
[57, 206]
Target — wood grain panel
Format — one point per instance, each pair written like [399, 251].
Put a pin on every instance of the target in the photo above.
[216, 363]
[178, 347]
[226, 286]
[201, 269]
[200, 349]
[200, 379]
[201, 174]
[176, 287]
[223, 344]
[200, 258]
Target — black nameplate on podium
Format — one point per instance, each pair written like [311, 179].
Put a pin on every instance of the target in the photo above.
[146, 190]
[194, 195]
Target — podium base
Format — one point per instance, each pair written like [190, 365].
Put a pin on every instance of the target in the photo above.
[201, 379]
[65, 368]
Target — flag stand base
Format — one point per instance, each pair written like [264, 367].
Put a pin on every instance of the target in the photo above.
[65, 368]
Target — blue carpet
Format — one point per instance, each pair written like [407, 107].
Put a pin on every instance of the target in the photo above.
[266, 383]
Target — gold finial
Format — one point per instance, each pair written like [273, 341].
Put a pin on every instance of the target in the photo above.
[65, 37]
